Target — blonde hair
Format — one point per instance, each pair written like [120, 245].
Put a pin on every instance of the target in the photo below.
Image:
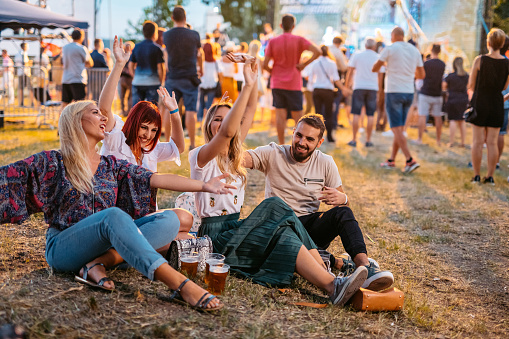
[73, 146]
[231, 163]
[254, 48]
[496, 38]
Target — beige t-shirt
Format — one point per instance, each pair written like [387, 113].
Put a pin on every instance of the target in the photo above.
[297, 184]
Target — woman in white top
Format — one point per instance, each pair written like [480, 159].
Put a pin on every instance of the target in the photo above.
[271, 243]
[323, 76]
[137, 141]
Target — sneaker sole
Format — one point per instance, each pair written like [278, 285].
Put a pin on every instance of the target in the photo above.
[379, 282]
[412, 168]
[354, 283]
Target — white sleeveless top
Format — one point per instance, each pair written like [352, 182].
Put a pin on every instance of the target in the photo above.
[212, 205]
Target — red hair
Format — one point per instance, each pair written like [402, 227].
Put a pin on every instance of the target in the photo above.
[142, 112]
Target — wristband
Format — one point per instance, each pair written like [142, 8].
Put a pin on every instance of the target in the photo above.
[174, 111]
[346, 199]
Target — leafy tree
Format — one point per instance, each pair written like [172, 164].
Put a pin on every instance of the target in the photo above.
[501, 15]
[246, 17]
[159, 12]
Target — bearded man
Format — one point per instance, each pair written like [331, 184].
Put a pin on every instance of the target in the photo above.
[302, 176]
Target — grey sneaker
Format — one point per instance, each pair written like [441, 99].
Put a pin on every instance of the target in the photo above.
[345, 287]
[411, 166]
[377, 279]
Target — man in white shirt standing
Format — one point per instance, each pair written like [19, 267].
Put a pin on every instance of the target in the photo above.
[23, 64]
[342, 66]
[403, 63]
[75, 58]
[365, 88]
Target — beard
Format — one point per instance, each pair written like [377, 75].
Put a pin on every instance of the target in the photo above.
[306, 152]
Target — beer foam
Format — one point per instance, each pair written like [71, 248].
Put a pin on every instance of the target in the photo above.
[189, 259]
[218, 269]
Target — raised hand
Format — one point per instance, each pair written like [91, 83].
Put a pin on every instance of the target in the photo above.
[239, 57]
[168, 100]
[250, 71]
[121, 52]
[215, 185]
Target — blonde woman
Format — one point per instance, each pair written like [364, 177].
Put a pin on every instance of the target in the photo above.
[89, 202]
[271, 243]
[489, 77]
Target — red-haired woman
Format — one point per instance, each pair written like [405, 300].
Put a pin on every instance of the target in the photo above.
[137, 141]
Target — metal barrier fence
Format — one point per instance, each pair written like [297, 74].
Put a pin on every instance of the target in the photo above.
[35, 92]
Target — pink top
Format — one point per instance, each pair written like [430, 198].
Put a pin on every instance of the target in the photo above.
[286, 50]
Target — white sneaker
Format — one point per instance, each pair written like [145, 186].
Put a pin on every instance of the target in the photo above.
[388, 133]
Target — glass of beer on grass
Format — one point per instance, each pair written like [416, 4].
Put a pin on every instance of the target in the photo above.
[212, 259]
[217, 278]
[189, 263]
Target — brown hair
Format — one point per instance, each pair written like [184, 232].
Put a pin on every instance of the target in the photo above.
[149, 29]
[496, 38]
[435, 49]
[314, 120]
[178, 14]
[288, 21]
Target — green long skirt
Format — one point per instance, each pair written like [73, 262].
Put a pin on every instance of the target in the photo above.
[264, 246]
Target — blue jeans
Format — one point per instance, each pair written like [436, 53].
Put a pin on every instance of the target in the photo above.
[134, 240]
[147, 93]
[208, 93]
[397, 106]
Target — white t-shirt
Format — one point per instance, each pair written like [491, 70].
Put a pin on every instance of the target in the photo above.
[401, 60]
[213, 205]
[298, 184]
[323, 71]
[363, 63]
[21, 60]
[114, 144]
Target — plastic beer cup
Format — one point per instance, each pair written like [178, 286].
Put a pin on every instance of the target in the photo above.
[189, 263]
[217, 278]
[212, 259]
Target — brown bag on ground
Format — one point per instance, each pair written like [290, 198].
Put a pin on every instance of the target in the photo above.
[388, 300]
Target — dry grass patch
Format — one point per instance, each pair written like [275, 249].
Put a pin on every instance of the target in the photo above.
[445, 240]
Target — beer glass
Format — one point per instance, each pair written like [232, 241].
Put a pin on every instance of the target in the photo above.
[212, 259]
[217, 278]
[189, 263]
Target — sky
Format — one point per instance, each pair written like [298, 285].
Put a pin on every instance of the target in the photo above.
[121, 12]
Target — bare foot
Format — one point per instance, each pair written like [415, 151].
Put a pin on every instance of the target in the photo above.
[192, 294]
[96, 273]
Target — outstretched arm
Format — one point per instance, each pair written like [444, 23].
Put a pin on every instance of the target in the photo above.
[174, 182]
[252, 103]
[177, 133]
[231, 122]
[122, 54]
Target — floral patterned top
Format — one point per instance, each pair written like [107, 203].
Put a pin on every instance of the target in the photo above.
[39, 184]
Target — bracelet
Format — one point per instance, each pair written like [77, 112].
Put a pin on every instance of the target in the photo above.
[174, 111]
[346, 199]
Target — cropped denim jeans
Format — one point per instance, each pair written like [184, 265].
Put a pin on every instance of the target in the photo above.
[135, 240]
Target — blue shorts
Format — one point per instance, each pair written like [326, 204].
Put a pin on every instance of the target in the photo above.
[184, 88]
[291, 100]
[364, 97]
[503, 130]
[397, 106]
[145, 93]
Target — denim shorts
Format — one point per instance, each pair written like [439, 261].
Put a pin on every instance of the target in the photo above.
[291, 100]
[146, 93]
[397, 106]
[503, 130]
[184, 88]
[364, 97]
